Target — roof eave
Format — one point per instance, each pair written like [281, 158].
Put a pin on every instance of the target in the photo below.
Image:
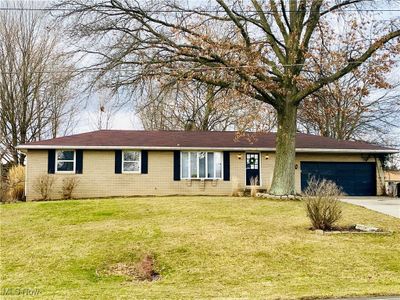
[299, 150]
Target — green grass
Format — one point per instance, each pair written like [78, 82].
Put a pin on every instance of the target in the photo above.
[205, 247]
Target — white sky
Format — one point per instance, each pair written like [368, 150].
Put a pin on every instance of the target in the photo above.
[126, 119]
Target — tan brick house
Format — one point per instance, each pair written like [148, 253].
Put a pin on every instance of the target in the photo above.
[127, 162]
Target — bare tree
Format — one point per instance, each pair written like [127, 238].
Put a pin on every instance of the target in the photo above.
[104, 104]
[362, 105]
[34, 98]
[201, 107]
[259, 49]
[340, 112]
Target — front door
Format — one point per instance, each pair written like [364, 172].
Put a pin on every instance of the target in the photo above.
[252, 168]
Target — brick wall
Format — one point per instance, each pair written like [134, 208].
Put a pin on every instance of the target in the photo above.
[99, 180]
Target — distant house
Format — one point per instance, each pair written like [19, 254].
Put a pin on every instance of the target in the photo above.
[126, 163]
[392, 183]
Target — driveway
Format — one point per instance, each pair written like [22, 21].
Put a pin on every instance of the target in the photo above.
[385, 205]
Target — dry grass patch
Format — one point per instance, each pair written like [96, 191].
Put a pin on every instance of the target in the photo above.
[143, 270]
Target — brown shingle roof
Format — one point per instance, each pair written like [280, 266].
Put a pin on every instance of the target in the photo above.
[229, 140]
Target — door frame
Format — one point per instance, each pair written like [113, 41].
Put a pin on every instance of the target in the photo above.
[259, 168]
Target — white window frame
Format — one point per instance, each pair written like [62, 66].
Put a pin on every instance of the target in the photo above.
[123, 160]
[65, 160]
[198, 165]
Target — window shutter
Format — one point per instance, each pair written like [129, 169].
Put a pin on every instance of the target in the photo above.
[145, 161]
[177, 165]
[79, 161]
[51, 161]
[227, 165]
[118, 161]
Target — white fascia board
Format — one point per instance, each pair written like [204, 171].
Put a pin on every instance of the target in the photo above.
[327, 150]
[299, 150]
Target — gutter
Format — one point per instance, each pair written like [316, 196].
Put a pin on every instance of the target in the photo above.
[299, 150]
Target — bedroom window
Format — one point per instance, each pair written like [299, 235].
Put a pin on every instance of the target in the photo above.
[131, 162]
[201, 165]
[65, 161]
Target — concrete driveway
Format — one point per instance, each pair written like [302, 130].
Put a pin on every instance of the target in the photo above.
[385, 205]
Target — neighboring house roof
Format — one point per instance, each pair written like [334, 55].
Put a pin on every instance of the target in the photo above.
[392, 176]
[227, 140]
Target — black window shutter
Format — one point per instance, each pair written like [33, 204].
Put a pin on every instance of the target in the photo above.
[177, 165]
[118, 161]
[227, 165]
[51, 161]
[79, 161]
[145, 161]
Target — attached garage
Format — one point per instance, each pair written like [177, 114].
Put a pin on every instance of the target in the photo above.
[355, 178]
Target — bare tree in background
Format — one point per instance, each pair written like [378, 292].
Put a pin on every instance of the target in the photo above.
[201, 107]
[362, 105]
[35, 78]
[264, 50]
[340, 112]
[104, 107]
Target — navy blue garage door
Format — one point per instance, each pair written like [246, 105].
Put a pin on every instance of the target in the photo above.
[356, 179]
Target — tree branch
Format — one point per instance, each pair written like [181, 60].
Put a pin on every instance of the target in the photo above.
[350, 66]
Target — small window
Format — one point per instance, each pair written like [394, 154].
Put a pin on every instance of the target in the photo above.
[65, 161]
[131, 162]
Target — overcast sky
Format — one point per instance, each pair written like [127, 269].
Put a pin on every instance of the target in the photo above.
[125, 118]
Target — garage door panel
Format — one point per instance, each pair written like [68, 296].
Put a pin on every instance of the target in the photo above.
[356, 179]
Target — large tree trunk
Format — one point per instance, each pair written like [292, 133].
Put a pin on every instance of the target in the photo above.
[283, 180]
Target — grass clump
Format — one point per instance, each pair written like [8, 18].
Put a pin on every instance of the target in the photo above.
[16, 183]
[253, 186]
[236, 190]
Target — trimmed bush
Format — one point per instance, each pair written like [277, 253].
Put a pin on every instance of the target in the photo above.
[43, 185]
[322, 203]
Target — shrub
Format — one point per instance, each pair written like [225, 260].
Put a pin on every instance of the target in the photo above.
[322, 203]
[235, 187]
[43, 185]
[253, 186]
[68, 187]
[16, 182]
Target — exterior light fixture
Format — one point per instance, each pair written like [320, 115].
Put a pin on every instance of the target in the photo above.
[239, 156]
[296, 166]
[365, 156]
[266, 156]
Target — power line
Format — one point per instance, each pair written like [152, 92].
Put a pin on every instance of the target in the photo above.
[199, 68]
[194, 10]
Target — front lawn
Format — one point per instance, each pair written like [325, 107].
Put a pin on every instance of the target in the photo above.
[204, 247]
